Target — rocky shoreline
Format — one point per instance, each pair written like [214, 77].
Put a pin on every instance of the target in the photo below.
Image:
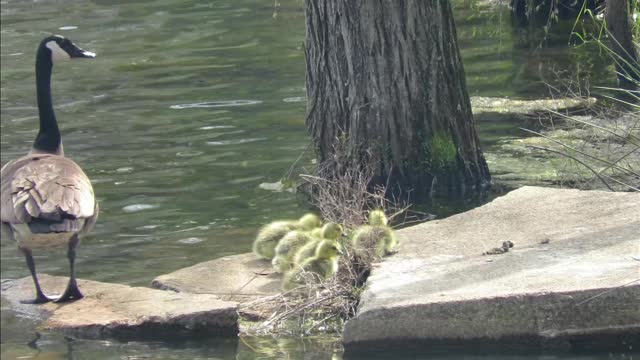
[571, 278]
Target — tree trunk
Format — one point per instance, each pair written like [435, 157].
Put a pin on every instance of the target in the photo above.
[625, 56]
[539, 12]
[386, 83]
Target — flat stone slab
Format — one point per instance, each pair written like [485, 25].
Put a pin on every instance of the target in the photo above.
[239, 278]
[124, 312]
[572, 276]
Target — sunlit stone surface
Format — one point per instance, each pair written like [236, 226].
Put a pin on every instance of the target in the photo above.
[571, 280]
[124, 312]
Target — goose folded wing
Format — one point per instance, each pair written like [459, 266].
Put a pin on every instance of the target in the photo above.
[51, 192]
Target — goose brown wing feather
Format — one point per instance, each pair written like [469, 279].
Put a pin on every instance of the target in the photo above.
[45, 186]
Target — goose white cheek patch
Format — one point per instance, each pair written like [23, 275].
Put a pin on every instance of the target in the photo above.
[56, 52]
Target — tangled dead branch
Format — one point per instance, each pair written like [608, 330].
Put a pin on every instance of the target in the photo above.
[312, 307]
[343, 197]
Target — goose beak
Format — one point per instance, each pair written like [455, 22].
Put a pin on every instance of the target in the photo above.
[79, 53]
[88, 54]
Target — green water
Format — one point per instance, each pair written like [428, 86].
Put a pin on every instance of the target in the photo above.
[188, 107]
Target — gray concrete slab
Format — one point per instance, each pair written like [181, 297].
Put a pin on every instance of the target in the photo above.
[124, 312]
[573, 273]
[239, 278]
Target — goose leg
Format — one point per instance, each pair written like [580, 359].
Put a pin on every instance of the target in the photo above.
[41, 298]
[71, 292]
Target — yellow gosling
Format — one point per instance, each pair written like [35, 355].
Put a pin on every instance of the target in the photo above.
[287, 246]
[323, 265]
[269, 235]
[329, 231]
[376, 239]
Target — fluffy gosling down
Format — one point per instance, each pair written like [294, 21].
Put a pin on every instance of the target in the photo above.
[322, 266]
[270, 234]
[329, 231]
[294, 241]
[287, 246]
[376, 239]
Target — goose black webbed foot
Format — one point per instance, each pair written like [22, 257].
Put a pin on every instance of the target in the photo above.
[71, 293]
[41, 298]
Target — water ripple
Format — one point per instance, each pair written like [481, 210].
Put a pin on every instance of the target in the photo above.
[209, 127]
[235, 142]
[295, 99]
[191, 240]
[216, 104]
[138, 207]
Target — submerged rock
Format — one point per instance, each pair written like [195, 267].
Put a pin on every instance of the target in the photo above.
[481, 105]
[567, 149]
[596, 143]
[124, 312]
[571, 281]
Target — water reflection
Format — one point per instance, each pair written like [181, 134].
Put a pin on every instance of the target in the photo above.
[216, 104]
[46, 346]
[19, 342]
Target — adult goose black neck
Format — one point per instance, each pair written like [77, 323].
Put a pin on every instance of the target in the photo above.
[48, 139]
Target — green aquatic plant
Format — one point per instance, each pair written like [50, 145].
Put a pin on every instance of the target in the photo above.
[441, 152]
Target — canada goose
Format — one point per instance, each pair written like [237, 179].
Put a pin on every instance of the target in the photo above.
[47, 200]
[330, 231]
[376, 239]
[269, 235]
[323, 265]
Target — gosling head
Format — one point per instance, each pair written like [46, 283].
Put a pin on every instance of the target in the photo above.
[331, 231]
[377, 218]
[328, 249]
[310, 221]
[58, 48]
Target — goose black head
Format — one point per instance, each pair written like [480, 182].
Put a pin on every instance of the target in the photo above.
[62, 48]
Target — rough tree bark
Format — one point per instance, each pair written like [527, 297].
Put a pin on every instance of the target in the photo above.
[385, 81]
[626, 57]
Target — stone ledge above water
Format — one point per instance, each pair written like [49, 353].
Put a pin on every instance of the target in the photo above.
[571, 279]
[124, 312]
[239, 278]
